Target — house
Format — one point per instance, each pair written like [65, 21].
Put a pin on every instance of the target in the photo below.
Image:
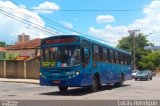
[2, 53]
[25, 50]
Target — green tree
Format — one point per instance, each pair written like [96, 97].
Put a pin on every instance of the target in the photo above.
[12, 56]
[125, 43]
[2, 44]
[150, 61]
[140, 42]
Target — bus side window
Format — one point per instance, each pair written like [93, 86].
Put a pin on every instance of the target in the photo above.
[108, 53]
[116, 57]
[129, 60]
[111, 56]
[125, 57]
[85, 53]
[105, 56]
[101, 53]
[96, 53]
[120, 58]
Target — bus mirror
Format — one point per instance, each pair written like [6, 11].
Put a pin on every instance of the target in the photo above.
[86, 52]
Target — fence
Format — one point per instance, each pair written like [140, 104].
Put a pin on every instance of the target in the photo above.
[20, 69]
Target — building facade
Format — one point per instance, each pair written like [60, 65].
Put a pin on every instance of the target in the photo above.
[25, 50]
[23, 38]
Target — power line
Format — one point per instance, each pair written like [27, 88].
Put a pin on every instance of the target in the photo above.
[90, 10]
[24, 21]
[59, 25]
[32, 17]
[55, 23]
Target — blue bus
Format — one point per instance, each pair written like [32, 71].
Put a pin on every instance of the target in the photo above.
[81, 61]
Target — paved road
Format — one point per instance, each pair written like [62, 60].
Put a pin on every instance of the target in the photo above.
[131, 90]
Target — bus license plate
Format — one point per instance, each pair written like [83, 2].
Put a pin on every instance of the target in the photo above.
[56, 82]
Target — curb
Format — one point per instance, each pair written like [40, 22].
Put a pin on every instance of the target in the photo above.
[20, 81]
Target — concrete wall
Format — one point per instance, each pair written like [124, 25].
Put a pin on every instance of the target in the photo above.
[2, 69]
[32, 69]
[20, 69]
[15, 69]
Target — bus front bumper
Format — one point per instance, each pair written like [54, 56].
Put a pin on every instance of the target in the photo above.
[74, 82]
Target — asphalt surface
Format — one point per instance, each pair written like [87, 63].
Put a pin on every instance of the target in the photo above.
[132, 90]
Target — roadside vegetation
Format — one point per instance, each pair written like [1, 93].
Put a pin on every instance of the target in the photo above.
[145, 59]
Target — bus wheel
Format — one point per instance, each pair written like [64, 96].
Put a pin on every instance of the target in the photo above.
[63, 88]
[119, 84]
[94, 86]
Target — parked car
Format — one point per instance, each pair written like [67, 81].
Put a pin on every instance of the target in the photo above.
[145, 74]
[134, 73]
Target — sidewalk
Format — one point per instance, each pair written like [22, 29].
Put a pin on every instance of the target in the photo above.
[30, 81]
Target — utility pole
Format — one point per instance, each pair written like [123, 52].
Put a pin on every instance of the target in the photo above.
[132, 34]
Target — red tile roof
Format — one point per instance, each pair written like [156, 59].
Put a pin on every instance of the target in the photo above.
[26, 45]
[2, 49]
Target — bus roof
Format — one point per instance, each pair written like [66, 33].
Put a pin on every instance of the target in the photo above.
[92, 40]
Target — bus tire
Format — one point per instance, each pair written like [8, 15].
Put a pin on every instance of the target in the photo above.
[63, 88]
[95, 84]
[121, 82]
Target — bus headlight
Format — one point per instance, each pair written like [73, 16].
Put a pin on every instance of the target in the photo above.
[77, 73]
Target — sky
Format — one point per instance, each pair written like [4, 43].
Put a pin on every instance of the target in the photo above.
[109, 20]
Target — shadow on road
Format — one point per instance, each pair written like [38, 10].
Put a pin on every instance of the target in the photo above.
[79, 91]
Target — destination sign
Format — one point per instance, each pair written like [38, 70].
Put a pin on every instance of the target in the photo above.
[59, 40]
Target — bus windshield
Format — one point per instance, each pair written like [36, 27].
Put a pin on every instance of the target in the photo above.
[61, 56]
